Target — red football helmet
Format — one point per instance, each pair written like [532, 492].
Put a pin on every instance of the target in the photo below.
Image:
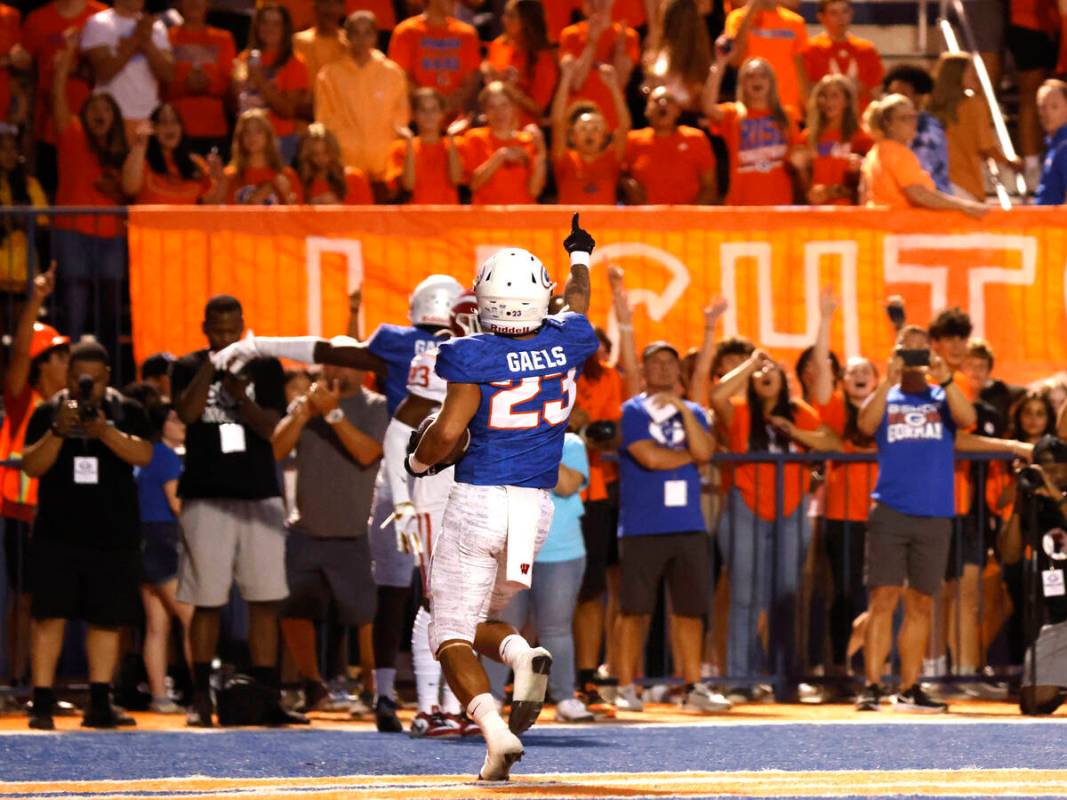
[463, 319]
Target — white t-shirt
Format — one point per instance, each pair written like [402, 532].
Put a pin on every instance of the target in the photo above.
[134, 88]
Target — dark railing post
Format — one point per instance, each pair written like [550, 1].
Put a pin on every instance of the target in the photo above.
[776, 619]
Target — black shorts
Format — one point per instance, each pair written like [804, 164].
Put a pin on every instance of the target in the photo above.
[1031, 50]
[160, 555]
[325, 571]
[967, 546]
[680, 557]
[17, 554]
[905, 549]
[600, 530]
[99, 586]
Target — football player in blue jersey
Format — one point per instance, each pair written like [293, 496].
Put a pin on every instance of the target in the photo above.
[512, 387]
[389, 349]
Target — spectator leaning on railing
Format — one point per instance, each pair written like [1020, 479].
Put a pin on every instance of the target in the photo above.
[1052, 107]
[82, 445]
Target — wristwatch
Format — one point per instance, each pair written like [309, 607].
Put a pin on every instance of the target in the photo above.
[946, 383]
[334, 416]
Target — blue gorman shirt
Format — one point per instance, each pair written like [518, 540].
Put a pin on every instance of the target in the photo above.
[657, 500]
[528, 390]
[164, 467]
[1052, 191]
[396, 345]
[916, 443]
[565, 542]
[931, 148]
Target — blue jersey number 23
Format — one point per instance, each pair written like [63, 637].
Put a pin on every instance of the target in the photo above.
[502, 413]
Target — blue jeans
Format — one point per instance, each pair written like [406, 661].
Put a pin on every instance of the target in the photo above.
[765, 562]
[86, 263]
[551, 599]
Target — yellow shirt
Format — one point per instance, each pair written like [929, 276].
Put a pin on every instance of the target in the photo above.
[13, 245]
[318, 51]
[344, 91]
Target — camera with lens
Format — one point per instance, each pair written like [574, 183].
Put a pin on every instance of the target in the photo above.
[600, 432]
[88, 407]
[1029, 478]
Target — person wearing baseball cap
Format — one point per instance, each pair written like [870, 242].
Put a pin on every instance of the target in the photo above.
[37, 369]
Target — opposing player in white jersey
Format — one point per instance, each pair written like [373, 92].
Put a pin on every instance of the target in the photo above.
[418, 522]
[389, 350]
[512, 388]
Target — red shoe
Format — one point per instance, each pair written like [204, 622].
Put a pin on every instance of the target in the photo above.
[467, 725]
[434, 725]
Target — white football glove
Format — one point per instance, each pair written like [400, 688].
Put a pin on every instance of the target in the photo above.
[406, 525]
[234, 357]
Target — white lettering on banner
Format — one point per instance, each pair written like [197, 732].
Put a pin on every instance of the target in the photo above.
[314, 247]
[978, 277]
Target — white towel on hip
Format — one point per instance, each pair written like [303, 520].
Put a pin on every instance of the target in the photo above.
[524, 512]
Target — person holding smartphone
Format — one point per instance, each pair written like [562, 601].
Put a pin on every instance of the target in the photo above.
[914, 423]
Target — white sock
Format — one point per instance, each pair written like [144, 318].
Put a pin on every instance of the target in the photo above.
[385, 682]
[482, 709]
[512, 647]
[449, 701]
[427, 668]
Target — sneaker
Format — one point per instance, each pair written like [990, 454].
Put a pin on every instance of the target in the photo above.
[985, 689]
[597, 704]
[701, 698]
[385, 716]
[915, 700]
[434, 725]
[111, 717]
[362, 706]
[467, 726]
[61, 708]
[165, 705]
[811, 694]
[870, 699]
[42, 721]
[277, 714]
[626, 699]
[200, 712]
[571, 709]
[318, 697]
[502, 750]
[657, 693]
[531, 682]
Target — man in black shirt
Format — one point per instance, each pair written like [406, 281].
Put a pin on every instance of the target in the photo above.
[232, 516]
[1038, 532]
[83, 445]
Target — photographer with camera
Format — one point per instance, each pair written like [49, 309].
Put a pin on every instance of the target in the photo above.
[82, 445]
[1037, 532]
[914, 424]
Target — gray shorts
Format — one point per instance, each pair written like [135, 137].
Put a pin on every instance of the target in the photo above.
[902, 548]
[228, 540]
[325, 572]
[391, 566]
[1051, 649]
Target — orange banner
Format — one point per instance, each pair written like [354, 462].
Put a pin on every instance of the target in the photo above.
[292, 268]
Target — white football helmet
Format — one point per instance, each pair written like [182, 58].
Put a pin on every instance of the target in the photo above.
[431, 302]
[513, 289]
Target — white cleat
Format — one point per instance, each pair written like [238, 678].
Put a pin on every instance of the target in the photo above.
[531, 682]
[503, 750]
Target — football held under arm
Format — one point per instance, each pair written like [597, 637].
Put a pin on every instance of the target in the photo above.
[440, 439]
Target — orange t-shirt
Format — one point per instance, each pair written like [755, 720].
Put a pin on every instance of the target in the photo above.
[747, 477]
[19, 491]
[669, 167]
[440, 57]
[558, 15]
[848, 486]
[758, 149]
[357, 189]
[1036, 15]
[82, 183]
[587, 183]
[173, 190]
[572, 42]
[853, 57]
[601, 399]
[831, 161]
[10, 22]
[241, 187]
[537, 83]
[213, 51]
[888, 169]
[42, 36]
[509, 185]
[292, 76]
[432, 183]
[778, 36]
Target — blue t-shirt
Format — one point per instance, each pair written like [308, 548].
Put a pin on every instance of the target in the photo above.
[1052, 191]
[164, 467]
[930, 146]
[657, 500]
[396, 345]
[528, 390]
[565, 542]
[916, 446]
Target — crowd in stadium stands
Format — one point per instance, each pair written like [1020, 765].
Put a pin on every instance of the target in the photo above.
[591, 102]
